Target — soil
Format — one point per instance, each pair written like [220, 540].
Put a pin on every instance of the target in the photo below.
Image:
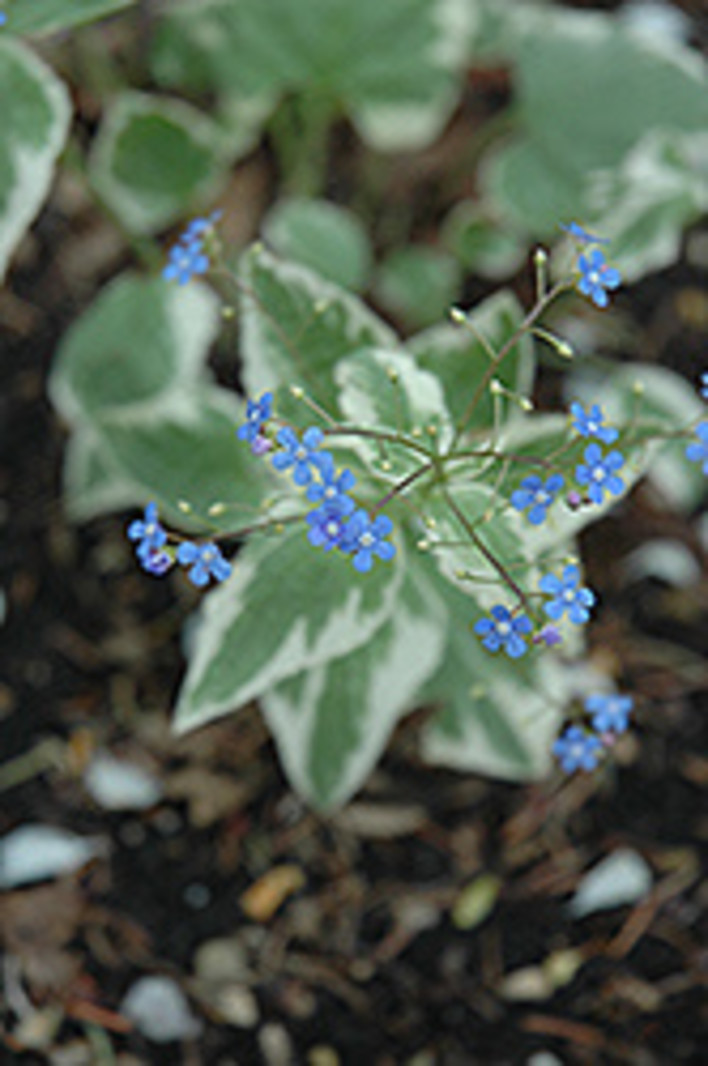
[353, 939]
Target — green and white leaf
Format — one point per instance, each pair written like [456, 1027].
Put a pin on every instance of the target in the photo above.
[155, 159]
[483, 245]
[460, 359]
[385, 390]
[497, 717]
[287, 608]
[296, 327]
[332, 723]
[93, 483]
[36, 112]
[419, 284]
[643, 206]
[49, 16]
[138, 341]
[328, 239]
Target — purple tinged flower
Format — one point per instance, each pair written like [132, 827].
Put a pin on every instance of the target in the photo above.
[300, 454]
[536, 497]
[364, 538]
[156, 561]
[590, 423]
[260, 445]
[148, 531]
[504, 631]
[610, 714]
[697, 451]
[582, 235]
[205, 561]
[596, 277]
[257, 412]
[549, 636]
[598, 472]
[577, 750]
[567, 595]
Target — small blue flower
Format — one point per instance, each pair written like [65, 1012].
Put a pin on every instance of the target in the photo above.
[590, 423]
[582, 235]
[333, 485]
[198, 226]
[697, 452]
[328, 524]
[3, 18]
[536, 497]
[567, 595]
[205, 560]
[610, 714]
[598, 472]
[257, 412]
[577, 750]
[364, 538]
[503, 631]
[156, 561]
[597, 277]
[703, 387]
[185, 262]
[148, 532]
[300, 454]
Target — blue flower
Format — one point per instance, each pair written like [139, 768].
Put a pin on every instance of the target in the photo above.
[333, 486]
[148, 532]
[536, 497]
[567, 595]
[257, 412]
[205, 560]
[590, 423]
[503, 631]
[185, 262]
[598, 472]
[697, 452]
[577, 750]
[3, 18]
[597, 277]
[704, 385]
[300, 454]
[549, 636]
[187, 257]
[582, 235]
[328, 524]
[610, 714]
[364, 538]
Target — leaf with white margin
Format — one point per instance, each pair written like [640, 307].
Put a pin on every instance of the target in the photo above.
[497, 717]
[183, 449]
[288, 607]
[457, 356]
[154, 158]
[621, 878]
[35, 852]
[140, 339]
[35, 122]
[332, 723]
[296, 327]
[93, 483]
[386, 390]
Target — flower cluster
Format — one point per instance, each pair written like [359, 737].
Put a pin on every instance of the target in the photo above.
[157, 556]
[335, 522]
[697, 451]
[596, 475]
[188, 257]
[580, 747]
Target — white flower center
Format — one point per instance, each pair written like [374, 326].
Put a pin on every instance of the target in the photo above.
[594, 277]
[503, 629]
[569, 595]
[332, 528]
[330, 492]
[366, 540]
[301, 454]
[542, 496]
